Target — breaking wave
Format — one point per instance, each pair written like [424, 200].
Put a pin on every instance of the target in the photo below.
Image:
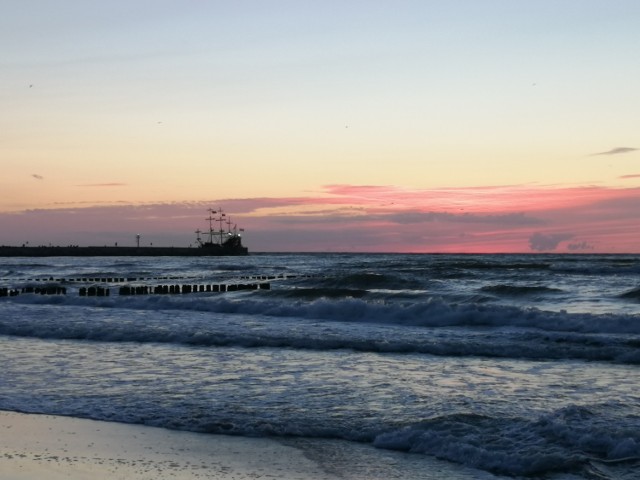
[567, 440]
[432, 327]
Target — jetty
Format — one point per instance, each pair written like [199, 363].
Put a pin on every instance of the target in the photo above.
[223, 238]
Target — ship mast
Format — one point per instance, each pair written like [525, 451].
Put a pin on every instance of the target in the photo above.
[229, 222]
[220, 219]
[218, 233]
[211, 220]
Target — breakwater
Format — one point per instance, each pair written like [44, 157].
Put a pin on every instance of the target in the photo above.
[127, 286]
[113, 251]
[124, 290]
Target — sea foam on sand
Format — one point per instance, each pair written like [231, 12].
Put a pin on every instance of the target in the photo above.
[42, 446]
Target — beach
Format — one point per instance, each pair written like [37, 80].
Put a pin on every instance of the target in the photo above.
[53, 447]
[35, 446]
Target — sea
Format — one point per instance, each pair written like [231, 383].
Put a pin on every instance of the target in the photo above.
[378, 366]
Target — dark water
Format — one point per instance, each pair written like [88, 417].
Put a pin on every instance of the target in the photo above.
[514, 365]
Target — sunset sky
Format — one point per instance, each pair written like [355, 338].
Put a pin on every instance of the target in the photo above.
[390, 126]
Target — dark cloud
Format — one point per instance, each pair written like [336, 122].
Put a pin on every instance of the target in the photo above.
[518, 219]
[616, 151]
[541, 242]
[637, 175]
[37, 177]
[579, 246]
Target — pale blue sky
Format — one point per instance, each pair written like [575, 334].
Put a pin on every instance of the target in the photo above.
[178, 101]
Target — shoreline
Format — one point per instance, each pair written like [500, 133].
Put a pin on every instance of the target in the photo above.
[35, 446]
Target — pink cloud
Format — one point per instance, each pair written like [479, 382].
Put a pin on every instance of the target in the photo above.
[365, 218]
[503, 199]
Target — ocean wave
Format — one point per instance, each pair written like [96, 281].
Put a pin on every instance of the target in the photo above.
[497, 264]
[427, 312]
[568, 440]
[572, 440]
[603, 268]
[367, 281]
[633, 294]
[517, 290]
[233, 267]
[321, 292]
[589, 265]
[245, 324]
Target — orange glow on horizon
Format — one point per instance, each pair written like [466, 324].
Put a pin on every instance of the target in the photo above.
[369, 219]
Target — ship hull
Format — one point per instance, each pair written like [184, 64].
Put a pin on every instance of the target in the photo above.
[208, 251]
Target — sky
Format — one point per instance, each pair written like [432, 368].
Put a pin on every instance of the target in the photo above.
[477, 126]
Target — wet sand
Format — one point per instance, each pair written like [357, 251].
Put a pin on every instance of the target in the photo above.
[33, 447]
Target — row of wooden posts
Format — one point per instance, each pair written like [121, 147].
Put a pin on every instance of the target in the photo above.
[131, 279]
[182, 289]
[49, 290]
[125, 290]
